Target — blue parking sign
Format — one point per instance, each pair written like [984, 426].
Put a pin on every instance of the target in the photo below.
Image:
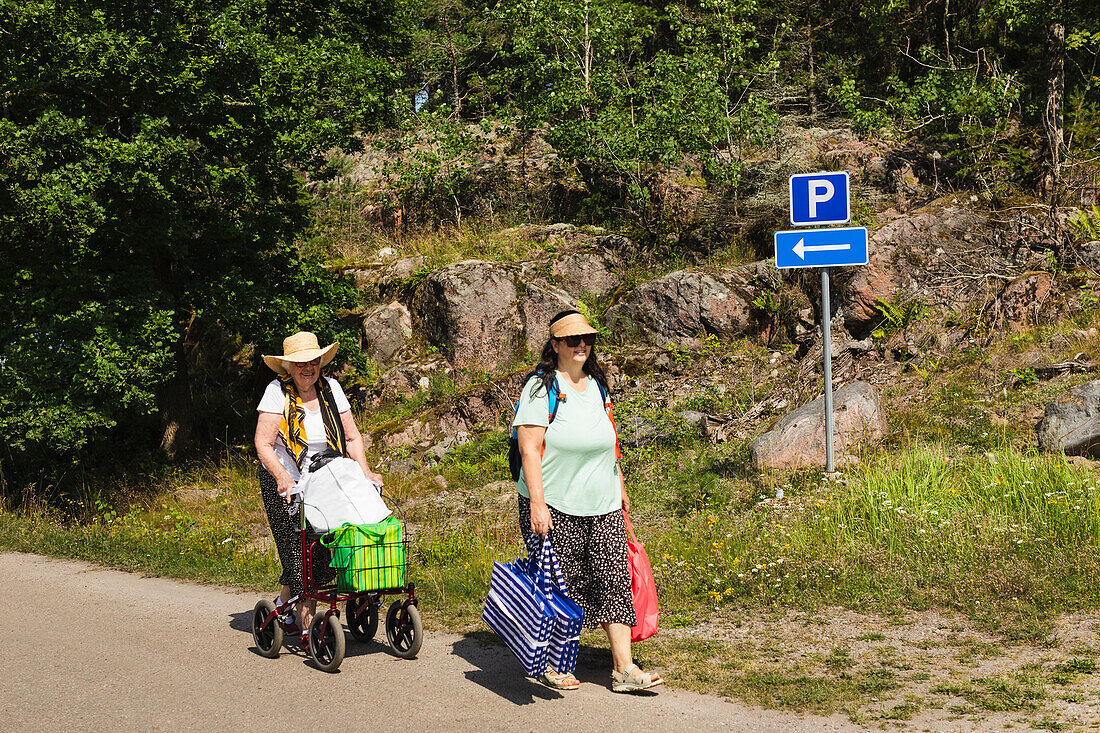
[820, 198]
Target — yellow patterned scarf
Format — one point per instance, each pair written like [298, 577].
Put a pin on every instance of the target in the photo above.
[294, 415]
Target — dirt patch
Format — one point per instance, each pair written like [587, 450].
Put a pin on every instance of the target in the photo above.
[934, 671]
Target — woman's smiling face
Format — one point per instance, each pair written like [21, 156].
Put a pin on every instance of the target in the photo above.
[304, 373]
[566, 354]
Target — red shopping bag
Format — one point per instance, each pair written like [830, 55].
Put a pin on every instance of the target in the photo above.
[642, 587]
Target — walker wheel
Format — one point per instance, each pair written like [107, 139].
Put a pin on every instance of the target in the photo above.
[363, 627]
[268, 640]
[327, 653]
[405, 636]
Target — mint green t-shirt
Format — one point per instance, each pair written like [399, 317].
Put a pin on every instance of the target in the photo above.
[579, 475]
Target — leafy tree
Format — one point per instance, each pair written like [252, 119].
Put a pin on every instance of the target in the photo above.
[626, 90]
[449, 38]
[149, 192]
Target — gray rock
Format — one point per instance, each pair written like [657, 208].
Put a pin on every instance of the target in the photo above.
[468, 310]
[414, 433]
[1088, 255]
[501, 488]
[537, 307]
[401, 466]
[405, 267]
[637, 432]
[439, 481]
[386, 329]
[798, 439]
[585, 272]
[954, 255]
[678, 307]
[617, 244]
[691, 417]
[439, 451]
[1071, 423]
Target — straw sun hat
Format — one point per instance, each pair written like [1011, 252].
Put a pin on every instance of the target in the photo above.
[300, 347]
[573, 324]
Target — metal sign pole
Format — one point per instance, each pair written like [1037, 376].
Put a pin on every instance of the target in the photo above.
[826, 334]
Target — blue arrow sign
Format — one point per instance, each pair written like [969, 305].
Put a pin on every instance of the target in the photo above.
[820, 198]
[821, 247]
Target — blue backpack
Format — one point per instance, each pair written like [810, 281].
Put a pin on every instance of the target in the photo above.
[515, 461]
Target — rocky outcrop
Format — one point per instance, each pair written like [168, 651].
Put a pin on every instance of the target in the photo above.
[385, 277]
[469, 311]
[479, 314]
[679, 307]
[585, 272]
[798, 439]
[1087, 255]
[1018, 306]
[386, 329]
[1071, 423]
[537, 307]
[955, 257]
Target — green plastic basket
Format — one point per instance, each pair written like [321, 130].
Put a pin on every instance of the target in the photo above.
[367, 557]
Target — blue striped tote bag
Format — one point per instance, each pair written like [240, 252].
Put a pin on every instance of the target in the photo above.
[565, 641]
[518, 611]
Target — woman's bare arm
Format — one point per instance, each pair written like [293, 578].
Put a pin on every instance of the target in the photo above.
[267, 429]
[531, 439]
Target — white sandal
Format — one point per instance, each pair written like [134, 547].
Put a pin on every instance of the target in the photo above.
[633, 679]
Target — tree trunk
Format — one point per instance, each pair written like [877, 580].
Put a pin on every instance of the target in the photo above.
[587, 70]
[457, 98]
[1053, 115]
[1053, 125]
[811, 91]
[176, 405]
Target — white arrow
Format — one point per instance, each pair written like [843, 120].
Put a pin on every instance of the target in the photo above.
[801, 249]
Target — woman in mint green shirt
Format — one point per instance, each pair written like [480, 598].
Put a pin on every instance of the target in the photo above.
[571, 489]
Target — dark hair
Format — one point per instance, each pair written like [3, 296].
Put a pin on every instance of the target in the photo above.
[548, 361]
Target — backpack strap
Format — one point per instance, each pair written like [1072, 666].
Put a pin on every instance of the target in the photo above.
[556, 398]
[610, 416]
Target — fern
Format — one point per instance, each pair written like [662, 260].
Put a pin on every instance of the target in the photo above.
[1086, 223]
[897, 316]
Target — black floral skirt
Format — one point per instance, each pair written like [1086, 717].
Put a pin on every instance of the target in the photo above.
[286, 531]
[592, 554]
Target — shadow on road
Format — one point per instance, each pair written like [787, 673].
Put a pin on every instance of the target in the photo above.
[498, 671]
[241, 621]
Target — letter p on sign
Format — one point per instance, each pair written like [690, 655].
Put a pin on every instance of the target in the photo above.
[821, 191]
[820, 198]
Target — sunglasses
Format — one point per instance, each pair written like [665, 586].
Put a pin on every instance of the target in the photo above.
[573, 342]
[301, 364]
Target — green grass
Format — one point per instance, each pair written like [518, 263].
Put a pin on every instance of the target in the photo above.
[915, 529]
[1019, 691]
[976, 533]
[728, 669]
[344, 237]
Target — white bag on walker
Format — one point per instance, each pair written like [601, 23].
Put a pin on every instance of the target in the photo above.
[338, 493]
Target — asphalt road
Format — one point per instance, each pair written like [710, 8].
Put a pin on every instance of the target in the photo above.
[97, 649]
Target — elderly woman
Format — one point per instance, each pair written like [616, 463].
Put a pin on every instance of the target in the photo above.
[572, 490]
[301, 414]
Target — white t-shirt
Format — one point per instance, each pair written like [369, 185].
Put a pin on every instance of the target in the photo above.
[274, 400]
